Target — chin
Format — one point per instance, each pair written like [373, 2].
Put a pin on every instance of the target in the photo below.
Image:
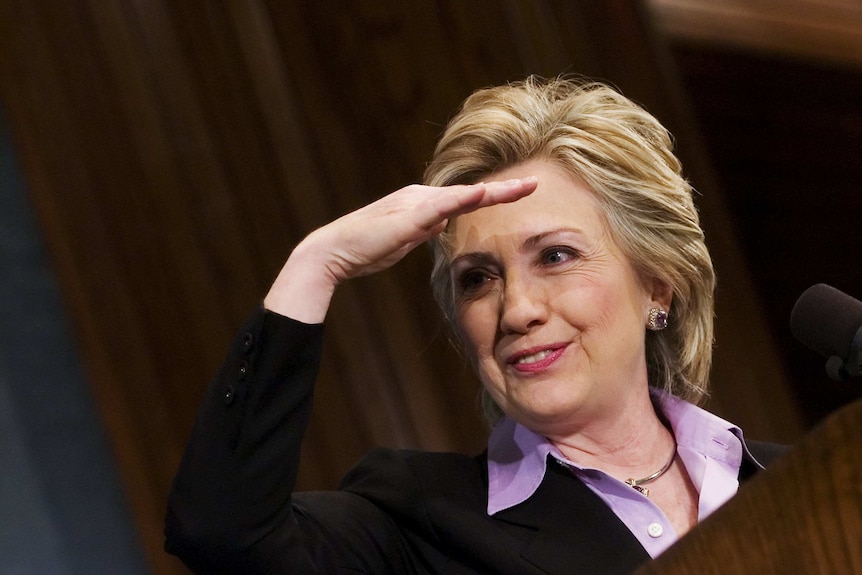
[545, 418]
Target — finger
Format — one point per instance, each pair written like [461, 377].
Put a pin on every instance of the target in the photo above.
[507, 191]
[450, 201]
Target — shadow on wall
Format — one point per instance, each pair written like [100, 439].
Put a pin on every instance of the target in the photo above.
[61, 506]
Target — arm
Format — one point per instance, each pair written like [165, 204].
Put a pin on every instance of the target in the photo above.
[230, 509]
[233, 486]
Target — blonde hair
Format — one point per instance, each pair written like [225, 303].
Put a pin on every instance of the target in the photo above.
[626, 158]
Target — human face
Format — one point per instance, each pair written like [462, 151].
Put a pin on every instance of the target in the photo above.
[550, 311]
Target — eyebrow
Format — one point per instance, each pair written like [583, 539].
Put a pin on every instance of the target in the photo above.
[532, 241]
[480, 258]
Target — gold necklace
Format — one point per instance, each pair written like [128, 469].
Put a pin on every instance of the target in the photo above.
[636, 483]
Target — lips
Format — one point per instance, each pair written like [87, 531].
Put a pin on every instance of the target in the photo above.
[537, 358]
[534, 357]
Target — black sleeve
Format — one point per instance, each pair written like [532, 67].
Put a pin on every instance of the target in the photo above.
[231, 508]
[234, 484]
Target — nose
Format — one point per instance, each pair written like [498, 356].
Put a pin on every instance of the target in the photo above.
[524, 304]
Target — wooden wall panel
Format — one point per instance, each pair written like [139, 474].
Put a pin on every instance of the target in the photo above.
[826, 31]
[176, 151]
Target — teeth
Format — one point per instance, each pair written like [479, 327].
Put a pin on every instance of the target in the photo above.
[534, 357]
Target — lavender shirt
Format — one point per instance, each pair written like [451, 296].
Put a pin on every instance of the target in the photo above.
[709, 447]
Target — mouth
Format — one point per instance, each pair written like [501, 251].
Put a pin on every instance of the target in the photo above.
[537, 358]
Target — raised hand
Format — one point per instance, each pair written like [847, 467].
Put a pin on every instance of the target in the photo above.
[373, 238]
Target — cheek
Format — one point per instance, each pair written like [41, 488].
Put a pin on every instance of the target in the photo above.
[476, 329]
[606, 314]
[619, 315]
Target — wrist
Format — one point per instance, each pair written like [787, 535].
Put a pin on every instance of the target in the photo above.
[303, 288]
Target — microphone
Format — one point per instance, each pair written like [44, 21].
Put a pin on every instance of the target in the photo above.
[830, 322]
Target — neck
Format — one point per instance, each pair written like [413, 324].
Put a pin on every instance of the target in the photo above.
[633, 442]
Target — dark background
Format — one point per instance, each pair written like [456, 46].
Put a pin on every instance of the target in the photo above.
[785, 138]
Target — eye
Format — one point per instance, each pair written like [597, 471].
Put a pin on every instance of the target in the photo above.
[557, 255]
[472, 281]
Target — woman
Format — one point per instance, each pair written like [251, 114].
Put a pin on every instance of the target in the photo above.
[571, 265]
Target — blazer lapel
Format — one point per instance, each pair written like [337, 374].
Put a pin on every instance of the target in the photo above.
[757, 455]
[567, 529]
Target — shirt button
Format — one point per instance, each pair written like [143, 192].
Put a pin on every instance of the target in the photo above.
[243, 370]
[655, 530]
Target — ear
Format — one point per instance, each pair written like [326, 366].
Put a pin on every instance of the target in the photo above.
[659, 294]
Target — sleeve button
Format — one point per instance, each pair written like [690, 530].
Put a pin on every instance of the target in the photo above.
[247, 342]
[243, 370]
[227, 397]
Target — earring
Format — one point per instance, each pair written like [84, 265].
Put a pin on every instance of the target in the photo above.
[657, 319]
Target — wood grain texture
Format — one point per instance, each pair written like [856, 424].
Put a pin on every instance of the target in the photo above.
[815, 30]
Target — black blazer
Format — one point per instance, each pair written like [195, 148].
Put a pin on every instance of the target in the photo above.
[232, 508]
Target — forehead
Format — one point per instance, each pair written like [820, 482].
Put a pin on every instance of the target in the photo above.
[561, 201]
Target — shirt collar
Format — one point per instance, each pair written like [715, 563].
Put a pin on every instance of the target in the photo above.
[517, 457]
